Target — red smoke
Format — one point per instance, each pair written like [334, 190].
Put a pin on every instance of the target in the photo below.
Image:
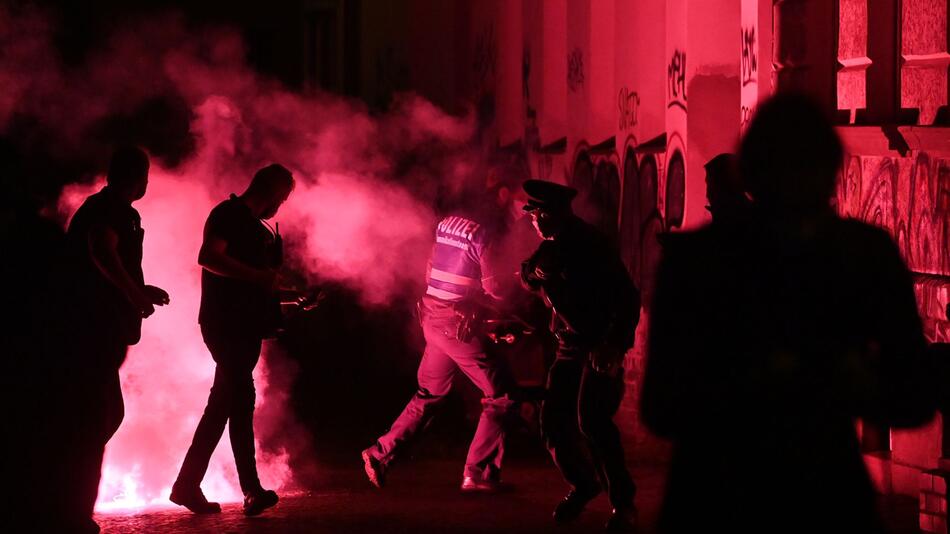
[166, 377]
[354, 217]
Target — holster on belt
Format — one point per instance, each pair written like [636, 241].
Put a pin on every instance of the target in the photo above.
[471, 320]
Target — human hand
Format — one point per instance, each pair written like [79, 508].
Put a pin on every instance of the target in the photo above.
[156, 295]
[143, 303]
[606, 360]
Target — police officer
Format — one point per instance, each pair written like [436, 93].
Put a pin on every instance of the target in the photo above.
[459, 280]
[595, 310]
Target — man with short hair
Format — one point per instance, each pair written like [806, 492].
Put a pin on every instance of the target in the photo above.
[727, 200]
[240, 257]
[595, 309]
[105, 241]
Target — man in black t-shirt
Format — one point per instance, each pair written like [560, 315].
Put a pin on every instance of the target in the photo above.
[239, 257]
[110, 299]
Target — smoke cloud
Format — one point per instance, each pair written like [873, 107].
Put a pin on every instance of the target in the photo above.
[361, 215]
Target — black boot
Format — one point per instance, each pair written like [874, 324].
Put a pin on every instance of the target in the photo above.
[623, 519]
[573, 504]
[194, 500]
[256, 502]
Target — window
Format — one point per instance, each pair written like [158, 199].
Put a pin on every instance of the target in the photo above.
[853, 57]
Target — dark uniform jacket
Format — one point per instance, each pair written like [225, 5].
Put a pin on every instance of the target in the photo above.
[588, 288]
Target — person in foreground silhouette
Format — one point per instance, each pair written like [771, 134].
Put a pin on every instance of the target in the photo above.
[769, 338]
[39, 368]
[727, 201]
[105, 239]
[595, 309]
[240, 307]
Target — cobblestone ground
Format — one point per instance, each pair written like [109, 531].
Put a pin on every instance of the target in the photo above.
[420, 497]
[423, 497]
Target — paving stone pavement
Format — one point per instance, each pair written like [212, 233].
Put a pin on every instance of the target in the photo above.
[422, 497]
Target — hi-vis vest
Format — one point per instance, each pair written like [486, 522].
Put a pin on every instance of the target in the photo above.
[456, 259]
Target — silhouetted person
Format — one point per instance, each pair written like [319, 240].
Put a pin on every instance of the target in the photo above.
[35, 269]
[725, 194]
[459, 280]
[240, 307]
[595, 309]
[111, 298]
[768, 339]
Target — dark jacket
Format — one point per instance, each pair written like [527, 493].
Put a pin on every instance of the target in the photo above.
[763, 349]
[594, 302]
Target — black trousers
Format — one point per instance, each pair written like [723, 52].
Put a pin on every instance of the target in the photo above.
[231, 402]
[579, 432]
[81, 410]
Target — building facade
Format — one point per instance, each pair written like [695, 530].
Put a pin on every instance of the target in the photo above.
[627, 99]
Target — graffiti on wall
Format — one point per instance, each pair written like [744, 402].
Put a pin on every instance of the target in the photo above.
[526, 74]
[575, 69]
[933, 294]
[628, 107]
[749, 72]
[485, 58]
[745, 115]
[750, 62]
[484, 70]
[910, 198]
[597, 180]
[676, 80]
[675, 130]
[675, 198]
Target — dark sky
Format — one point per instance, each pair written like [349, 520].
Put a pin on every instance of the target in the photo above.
[271, 29]
[160, 123]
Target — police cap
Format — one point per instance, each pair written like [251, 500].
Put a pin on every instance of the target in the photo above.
[547, 195]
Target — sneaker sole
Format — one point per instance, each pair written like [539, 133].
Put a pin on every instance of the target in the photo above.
[371, 472]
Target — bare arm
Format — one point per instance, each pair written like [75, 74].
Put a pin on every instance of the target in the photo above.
[213, 257]
[103, 249]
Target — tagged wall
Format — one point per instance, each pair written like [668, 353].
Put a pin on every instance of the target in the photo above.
[910, 197]
[627, 100]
